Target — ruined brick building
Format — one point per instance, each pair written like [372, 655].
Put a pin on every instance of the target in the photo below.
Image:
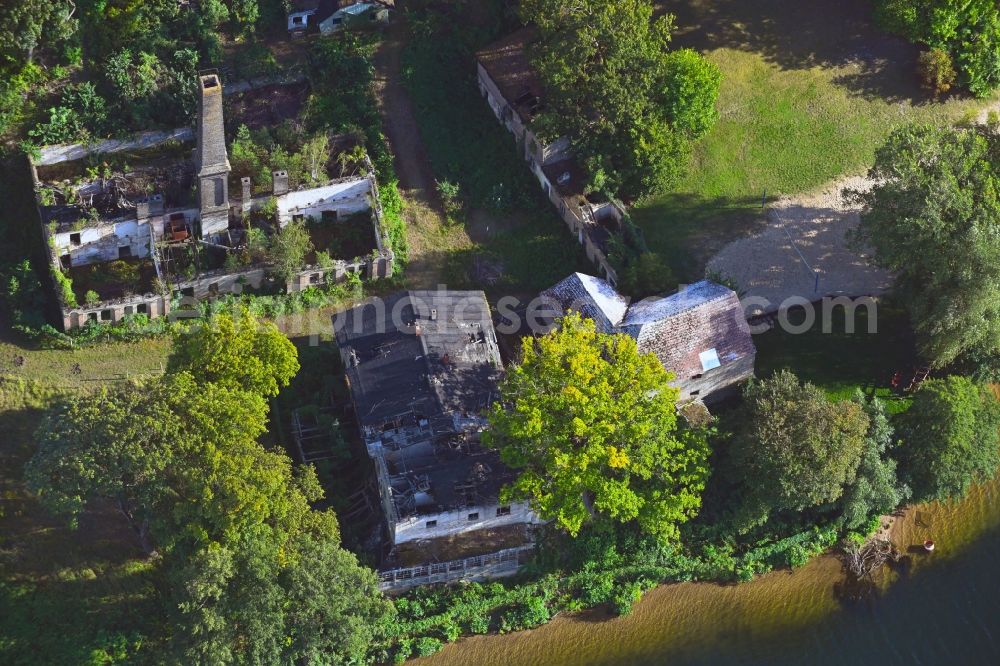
[422, 367]
[149, 204]
[700, 333]
[514, 92]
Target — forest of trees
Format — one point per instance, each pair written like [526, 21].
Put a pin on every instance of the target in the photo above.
[138, 57]
[249, 572]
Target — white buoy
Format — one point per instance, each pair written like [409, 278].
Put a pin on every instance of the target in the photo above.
[929, 546]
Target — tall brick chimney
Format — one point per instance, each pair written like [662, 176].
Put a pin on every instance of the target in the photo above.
[213, 161]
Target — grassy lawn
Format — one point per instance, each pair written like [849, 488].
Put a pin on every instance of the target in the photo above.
[66, 597]
[89, 366]
[840, 362]
[512, 226]
[810, 89]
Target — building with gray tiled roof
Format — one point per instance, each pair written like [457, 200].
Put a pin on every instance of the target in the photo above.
[700, 333]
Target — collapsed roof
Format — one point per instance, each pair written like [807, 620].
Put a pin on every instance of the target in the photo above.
[422, 366]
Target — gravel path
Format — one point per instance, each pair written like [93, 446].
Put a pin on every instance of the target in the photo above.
[805, 238]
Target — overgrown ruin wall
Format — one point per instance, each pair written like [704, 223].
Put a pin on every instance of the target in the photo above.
[346, 198]
[450, 523]
[104, 242]
[537, 154]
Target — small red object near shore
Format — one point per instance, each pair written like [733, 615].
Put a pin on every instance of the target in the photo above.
[928, 545]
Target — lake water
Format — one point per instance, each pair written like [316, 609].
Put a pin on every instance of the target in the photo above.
[945, 610]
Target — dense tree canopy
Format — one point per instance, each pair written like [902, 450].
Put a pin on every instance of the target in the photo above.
[795, 448]
[140, 444]
[967, 30]
[876, 490]
[590, 426]
[933, 219]
[629, 106]
[251, 572]
[951, 438]
[240, 352]
[26, 24]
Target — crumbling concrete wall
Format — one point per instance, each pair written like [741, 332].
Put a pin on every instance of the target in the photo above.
[345, 198]
[219, 283]
[104, 242]
[210, 285]
[112, 312]
[468, 519]
[313, 276]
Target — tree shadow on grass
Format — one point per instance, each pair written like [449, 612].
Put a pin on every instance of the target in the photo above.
[801, 34]
[688, 229]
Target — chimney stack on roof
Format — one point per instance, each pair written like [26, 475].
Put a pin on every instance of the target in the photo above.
[279, 183]
[246, 193]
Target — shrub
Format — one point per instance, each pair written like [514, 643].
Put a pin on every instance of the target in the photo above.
[937, 72]
[625, 597]
[428, 645]
[797, 556]
[449, 193]
[63, 126]
[289, 248]
[480, 624]
[65, 285]
[596, 589]
[91, 297]
[324, 260]
[525, 615]
[450, 631]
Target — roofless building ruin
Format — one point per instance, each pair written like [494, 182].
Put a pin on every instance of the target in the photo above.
[147, 222]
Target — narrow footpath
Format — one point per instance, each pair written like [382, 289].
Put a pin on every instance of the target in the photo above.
[428, 232]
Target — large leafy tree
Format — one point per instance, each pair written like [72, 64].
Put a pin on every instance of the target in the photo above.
[590, 426]
[627, 103]
[876, 489]
[933, 218]
[951, 438]
[795, 448]
[237, 351]
[27, 24]
[251, 573]
[139, 446]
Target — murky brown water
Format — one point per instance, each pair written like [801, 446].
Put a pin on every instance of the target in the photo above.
[945, 611]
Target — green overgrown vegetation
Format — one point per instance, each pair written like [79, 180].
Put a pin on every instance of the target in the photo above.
[343, 103]
[143, 55]
[629, 106]
[526, 248]
[590, 426]
[962, 36]
[931, 219]
[247, 573]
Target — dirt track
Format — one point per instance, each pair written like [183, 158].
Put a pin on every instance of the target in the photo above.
[424, 218]
[805, 239]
